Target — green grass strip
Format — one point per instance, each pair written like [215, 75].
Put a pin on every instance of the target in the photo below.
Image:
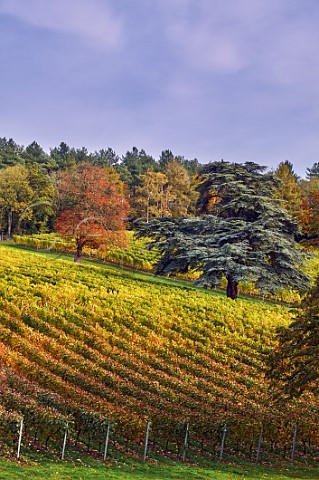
[86, 469]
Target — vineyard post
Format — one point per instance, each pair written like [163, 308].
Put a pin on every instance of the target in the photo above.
[223, 442]
[294, 444]
[146, 440]
[64, 440]
[185, 442]
[20, 438]
[107, 440]
[259, 444]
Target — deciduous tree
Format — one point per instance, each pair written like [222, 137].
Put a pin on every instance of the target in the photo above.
[27, 199]
[167, 193]
[288, 191]
[150, 198]
[309, 211]
[15, 195]
[93, 208]
[43, 204]
[182, 195]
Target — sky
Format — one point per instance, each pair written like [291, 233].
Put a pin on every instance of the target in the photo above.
[236, 80]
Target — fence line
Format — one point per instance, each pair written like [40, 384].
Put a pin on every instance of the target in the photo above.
[267, 447]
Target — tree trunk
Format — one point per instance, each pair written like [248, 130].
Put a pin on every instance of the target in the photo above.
[79, 250]
[232, 288]
[10, 217]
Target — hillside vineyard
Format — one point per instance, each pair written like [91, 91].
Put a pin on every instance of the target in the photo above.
[93, 344]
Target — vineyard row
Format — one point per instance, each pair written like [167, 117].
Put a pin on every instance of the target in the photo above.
[222, 439]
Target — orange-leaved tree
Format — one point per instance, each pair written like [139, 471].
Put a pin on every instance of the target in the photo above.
[92, 209]
[309, 211]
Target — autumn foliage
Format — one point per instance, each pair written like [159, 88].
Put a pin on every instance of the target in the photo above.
[309, 215]
[92, 208]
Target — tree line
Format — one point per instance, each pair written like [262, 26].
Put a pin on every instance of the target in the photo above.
[154, 188]
[29, 175]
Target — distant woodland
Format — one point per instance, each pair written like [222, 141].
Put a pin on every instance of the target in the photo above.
[154, 188]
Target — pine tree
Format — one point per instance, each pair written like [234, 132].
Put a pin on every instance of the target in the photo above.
[246, 236]
[313, 172]
[133, 165]
[63, 156]
[34, 154]
[10, 153]
[295, 361]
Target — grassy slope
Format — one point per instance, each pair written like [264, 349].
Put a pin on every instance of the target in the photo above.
[90, 470]
[132, 347]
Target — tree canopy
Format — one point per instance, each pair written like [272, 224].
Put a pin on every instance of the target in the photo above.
[295, 361]
[10, 153]
[245, 237]
[133, 165]
[313, 172]
[174, 197]
[167, 193]
[289, 191]
[26, 199]
[92, 207]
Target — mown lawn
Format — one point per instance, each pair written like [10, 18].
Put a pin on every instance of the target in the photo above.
[80, 469]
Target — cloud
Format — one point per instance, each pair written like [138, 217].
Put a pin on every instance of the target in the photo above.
[235, 79]
[92, 20]
[278, 39]
[294, 60]
[202, 43]
[265, 51]
[207, 49]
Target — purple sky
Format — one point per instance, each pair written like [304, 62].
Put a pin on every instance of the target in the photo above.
[211, 79]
